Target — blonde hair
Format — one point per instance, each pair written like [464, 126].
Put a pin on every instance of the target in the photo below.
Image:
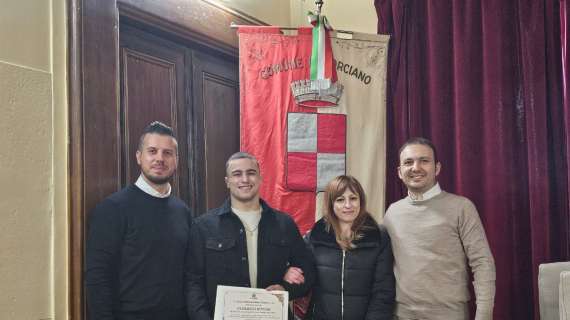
[334, 189]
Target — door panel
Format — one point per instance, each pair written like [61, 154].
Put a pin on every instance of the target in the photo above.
[216, 103]
[194, 90]
[153, 88]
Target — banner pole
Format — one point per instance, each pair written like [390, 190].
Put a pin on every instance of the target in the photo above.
[319, 4]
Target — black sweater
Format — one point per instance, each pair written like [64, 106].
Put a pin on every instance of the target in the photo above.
[135, 255]
[357, 284]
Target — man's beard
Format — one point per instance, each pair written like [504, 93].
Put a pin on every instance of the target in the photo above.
[157, 180]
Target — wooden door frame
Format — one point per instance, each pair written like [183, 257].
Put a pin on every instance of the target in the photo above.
[94, 103]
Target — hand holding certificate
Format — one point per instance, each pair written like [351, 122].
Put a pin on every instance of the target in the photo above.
[239, 303]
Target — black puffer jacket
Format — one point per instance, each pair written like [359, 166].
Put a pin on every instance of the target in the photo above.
[356, 284]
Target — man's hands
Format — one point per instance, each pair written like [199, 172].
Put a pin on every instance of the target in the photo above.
[275, 287]
[294, 275]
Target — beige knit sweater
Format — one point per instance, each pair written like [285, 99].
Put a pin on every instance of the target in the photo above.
[434, 241]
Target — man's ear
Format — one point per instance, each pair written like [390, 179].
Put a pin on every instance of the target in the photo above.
[226, 180]
[138, 155]
[399, 172]
[437, 168]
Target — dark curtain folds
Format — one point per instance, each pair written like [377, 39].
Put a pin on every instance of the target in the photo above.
[565, 44]
[483, 80]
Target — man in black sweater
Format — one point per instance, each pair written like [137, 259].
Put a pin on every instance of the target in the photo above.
[244, 243]
[137, 241]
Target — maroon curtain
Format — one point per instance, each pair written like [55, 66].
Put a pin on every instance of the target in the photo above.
[483, 80]
[565, 44]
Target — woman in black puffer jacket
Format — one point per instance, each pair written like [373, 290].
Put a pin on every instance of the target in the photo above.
[353, 256]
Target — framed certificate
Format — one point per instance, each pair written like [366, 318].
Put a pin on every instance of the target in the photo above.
[238, 303]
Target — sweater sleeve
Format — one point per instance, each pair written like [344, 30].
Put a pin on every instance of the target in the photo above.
[101, 264]
[480, 260]
[381, 306]
[196, 295]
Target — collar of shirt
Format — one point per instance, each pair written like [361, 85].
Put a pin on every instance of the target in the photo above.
[432, 192]
[250, 219]
[252, 212]
[147, 188]
[226, 208]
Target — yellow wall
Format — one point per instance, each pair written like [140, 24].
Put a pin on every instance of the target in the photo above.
[25, 33]
[33, 159]
[354, 15]
[274, 12]
[60, 164]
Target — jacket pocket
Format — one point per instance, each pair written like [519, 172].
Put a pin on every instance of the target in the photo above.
[220, 257]
[220, 244]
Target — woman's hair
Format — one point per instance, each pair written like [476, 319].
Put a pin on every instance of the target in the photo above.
[334, 189]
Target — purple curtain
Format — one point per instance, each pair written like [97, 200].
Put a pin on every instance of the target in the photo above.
[483, 80]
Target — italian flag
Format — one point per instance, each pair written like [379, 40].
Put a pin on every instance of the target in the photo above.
[322, 73]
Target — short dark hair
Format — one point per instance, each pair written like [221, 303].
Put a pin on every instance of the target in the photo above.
[422, 141]
[241, 155]
[156, 127]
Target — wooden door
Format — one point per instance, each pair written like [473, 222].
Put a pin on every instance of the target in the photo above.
[216, 113]
[194, 90]
[153, 87]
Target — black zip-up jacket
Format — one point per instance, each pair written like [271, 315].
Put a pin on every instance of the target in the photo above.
[357, 284]
[218, 256]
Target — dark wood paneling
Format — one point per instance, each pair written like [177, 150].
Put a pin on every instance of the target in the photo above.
[149, 94]
[216, 107]
[221, 126]
[100, 102]
[152, 88]
[93, 90]
[76, 169]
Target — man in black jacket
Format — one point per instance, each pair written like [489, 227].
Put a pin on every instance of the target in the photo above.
[137, 241]
[243, 243]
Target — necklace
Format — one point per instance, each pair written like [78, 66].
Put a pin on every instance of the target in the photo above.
[249, 219]
[250, 229]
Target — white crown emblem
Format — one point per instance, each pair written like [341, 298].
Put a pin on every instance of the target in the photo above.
[318, 90]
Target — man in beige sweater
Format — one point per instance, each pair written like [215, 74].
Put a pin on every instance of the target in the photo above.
[436, 236]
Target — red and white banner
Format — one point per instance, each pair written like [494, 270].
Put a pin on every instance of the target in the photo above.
[316, 150]
[301, 148]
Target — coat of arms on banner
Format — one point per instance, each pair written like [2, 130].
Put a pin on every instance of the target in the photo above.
[316, 149]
